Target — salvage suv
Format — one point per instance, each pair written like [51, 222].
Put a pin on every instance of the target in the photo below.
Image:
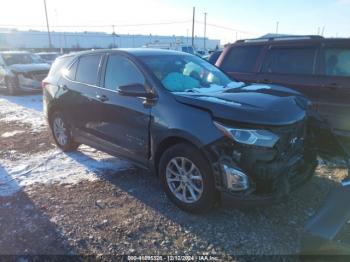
[21, 71]
[185, 120]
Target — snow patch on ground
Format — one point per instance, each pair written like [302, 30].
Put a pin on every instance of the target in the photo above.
[55, 166]
[26, 109]
[52, 166]
[10, 134]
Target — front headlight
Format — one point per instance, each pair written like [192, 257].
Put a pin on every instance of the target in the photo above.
[249, 136]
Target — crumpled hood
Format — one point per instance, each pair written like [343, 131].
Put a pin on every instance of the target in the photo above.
[253, 104]
[26, 68]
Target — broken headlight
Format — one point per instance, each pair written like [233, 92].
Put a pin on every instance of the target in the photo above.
[257, 137]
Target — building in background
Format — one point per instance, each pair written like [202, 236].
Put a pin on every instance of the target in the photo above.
[15, 39]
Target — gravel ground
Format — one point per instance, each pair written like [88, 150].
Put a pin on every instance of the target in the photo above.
[126, 212]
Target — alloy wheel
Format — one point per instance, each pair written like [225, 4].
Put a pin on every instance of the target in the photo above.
[184, 180]
[60, 131]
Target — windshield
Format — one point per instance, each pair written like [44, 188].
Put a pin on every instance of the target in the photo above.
[187, 49]
[13, 59]
[187, 73]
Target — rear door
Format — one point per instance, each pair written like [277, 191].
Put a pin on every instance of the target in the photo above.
[294, 66]
[334, 102]
[79, 100]
[240, 61]
[123, 121]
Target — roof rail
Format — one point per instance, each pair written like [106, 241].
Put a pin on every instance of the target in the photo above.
[281, 38]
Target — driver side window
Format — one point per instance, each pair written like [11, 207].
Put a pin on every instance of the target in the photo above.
[121, 71]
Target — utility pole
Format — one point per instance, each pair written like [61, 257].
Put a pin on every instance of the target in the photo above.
[114, 46]
[187, 37]
[323, 28]
[277, 25]
[47, 25]
[205, 30]
[193, 17]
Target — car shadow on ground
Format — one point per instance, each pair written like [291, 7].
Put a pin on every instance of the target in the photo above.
[25, 228]
[228, 228]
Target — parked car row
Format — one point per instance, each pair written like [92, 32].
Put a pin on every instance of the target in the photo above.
[21, 71]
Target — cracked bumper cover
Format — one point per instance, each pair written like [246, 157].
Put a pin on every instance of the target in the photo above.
[273, 172]
[30, 82]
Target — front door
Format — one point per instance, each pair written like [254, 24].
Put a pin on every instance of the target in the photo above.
[123, 120]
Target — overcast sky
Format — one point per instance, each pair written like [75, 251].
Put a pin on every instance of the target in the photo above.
[251, 18]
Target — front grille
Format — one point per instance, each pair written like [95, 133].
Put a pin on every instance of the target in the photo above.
[292, 139]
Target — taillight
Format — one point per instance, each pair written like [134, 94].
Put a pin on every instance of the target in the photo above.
[44, 84]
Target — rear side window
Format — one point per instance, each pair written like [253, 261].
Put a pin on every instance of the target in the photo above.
[121, 71]
[284, 60]
[241, 59]
[59, 65]
[70, 73]
[87, 71]
[337, 62]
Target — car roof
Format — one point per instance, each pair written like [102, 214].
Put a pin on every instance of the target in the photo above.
[132, 51]
[291, 39]
[47, 53]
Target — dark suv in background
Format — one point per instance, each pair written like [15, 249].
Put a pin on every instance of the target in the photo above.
[317, 67]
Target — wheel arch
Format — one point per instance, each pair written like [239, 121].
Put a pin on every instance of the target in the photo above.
[170, 141]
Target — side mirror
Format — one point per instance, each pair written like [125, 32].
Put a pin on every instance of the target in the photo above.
[137, 90]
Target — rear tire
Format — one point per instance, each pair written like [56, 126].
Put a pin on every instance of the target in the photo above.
[61, 133]
[12, 86]
[183, 168]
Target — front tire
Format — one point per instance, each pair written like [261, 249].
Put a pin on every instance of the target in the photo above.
[61, 133]
[187, 178]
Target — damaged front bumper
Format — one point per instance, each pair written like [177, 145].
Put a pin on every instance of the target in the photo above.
[321, 230]
[259, 174]
[31, 81]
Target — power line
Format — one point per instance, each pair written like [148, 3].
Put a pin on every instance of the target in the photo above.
[228, 28]
[98, 26]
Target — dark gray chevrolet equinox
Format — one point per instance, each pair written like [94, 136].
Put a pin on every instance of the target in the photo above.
[176, 114]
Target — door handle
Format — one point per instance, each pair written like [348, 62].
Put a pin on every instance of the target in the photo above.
[266, 81]
[102, 98]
